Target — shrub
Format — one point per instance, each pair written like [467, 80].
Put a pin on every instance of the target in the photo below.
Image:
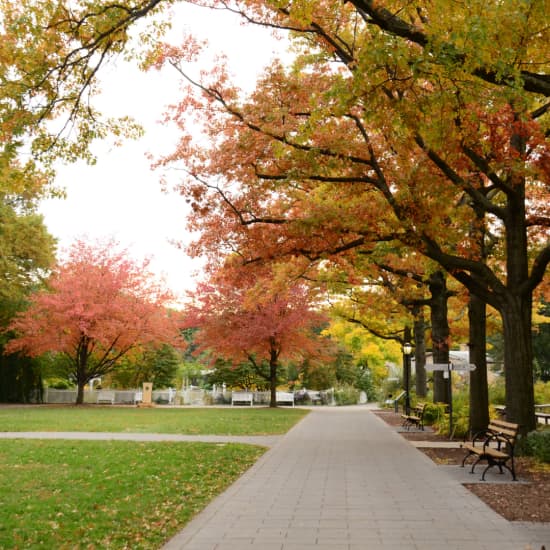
[497, 392]
[346, 395]
[365, 382]
[542, 392]
[59, 384]
[207, 398]
[438, 414]
[434, 413]
[537, 444]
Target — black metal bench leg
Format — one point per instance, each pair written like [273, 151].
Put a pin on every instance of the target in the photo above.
[485, 471]
[511, 469]
[476, 462]
[466, 458]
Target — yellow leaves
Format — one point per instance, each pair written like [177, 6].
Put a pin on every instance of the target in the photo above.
[540, 315]
[50, 57]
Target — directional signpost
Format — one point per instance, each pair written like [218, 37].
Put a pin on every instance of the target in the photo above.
[447, 368]
[463, 367]
[451, 366]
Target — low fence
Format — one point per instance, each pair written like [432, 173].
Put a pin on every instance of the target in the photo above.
[119, 397]
[189, 396]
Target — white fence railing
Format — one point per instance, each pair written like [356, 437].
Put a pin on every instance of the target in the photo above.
[121, 397]
[189, 396]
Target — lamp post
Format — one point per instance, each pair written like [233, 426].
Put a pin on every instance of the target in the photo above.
[407, 350]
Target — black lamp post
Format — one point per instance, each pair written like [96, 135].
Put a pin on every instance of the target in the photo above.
[407, 350]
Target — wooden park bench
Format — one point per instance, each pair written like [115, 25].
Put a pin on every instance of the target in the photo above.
[106, 396]
[242, 397]
[416, 418]
[495, 445]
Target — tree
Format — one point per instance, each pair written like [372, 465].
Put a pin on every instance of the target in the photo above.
[50, 55]
[99, 306]
[392, 296]
[419, 123]
[158, 365]
[368, 351]
[27, 254]
[243, 375]
[250, 316]
[20, 379]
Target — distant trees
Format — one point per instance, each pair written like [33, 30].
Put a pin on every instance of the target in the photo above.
[158, 365]
[26, 256]
[99, 305]
[541, 342]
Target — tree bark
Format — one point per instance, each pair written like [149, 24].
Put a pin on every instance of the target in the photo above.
[518, 363]
[273, 365]
[440, 333]
[419, 330]
[80, 392]
[516, 311]
[479, 393]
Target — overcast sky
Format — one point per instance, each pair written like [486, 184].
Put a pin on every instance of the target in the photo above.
[120, 196]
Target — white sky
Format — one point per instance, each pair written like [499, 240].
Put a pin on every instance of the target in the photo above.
[121, 196]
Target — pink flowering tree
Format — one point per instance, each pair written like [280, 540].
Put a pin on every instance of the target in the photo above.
[98, 307]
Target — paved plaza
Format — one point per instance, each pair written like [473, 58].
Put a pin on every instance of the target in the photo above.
[342, 479]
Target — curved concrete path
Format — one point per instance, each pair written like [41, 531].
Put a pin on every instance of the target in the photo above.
[342, 479]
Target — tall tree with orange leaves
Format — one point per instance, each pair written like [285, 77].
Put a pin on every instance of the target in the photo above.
[98, 307]
[375, 137]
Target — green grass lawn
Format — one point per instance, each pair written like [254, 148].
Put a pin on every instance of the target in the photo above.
[207, 421]
[102, 494]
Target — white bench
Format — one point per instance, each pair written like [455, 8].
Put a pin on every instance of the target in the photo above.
[106, 397]
[242, 397]
[285, 397]
[314, 396]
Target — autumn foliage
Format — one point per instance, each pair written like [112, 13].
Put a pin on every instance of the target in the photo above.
[246, 316]
[99, 305]
[424, 124]
[401, 127]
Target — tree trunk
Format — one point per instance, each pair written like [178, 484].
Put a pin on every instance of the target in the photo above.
[80, 392]
[479, 393]
[419, 330]
[516, 313]
[81, 368]
[440, 333]
[273, 364]
[518, 363]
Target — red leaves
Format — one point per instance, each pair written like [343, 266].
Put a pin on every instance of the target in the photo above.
[241, 313]
[99, 302]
